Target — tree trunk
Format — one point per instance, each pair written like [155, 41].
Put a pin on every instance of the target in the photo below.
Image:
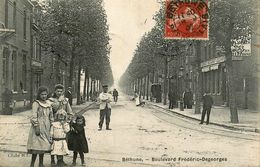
[165, 81]
[88, 88]
[141, 88]
[85, 84]
[230, 70]
[72, 62]
[78, 86]
[91, 87]
[231, 88]
[198, 79]
[147, 87]
[94, 86]
[57, 71]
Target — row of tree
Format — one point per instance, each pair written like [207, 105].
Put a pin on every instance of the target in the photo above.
[231, 24]
[76, 31]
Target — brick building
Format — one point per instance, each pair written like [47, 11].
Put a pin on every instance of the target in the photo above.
[246, 71]
[20, 52]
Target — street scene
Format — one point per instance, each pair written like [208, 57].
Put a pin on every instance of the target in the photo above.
[145, 136]
[129, 83]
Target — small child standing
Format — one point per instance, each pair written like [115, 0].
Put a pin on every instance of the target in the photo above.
[58, 132]
[77, 141]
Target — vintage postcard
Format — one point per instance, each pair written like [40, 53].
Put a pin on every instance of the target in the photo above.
[129, 83]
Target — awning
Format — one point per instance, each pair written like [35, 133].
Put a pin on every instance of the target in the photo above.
[210, 68]
[205, 69]
[214, 67]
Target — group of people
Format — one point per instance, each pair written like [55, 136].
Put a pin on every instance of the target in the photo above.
[55, 128]
[187, 99]
[188, 102]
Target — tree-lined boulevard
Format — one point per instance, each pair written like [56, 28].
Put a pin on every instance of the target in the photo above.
[164, 94]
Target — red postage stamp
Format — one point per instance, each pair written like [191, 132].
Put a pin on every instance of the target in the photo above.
[187, 19]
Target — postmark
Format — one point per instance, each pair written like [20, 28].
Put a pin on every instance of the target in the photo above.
[187, 19]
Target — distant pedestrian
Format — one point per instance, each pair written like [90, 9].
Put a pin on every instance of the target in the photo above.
[59, 129]
[187, 98]
[7, 97]
[207, 104]
[105, 107]
[77, 141]
[137, 98]
[68, 95]
[39, 140]
[138, 101]
[115, 95]
[172, 99]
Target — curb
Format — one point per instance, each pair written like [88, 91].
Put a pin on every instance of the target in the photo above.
[246, 129]
[84, 109]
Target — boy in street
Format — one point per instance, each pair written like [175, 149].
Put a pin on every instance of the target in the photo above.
[207, 104]
[105, 107]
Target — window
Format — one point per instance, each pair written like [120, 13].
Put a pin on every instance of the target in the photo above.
[24, 72]
[206, 53]
[39, 51]
[5, 56]
[218, 81]
[14, 15]
[209, 82]
[214, 51]
[202, 54]
[6, 14]
[14, 70]
[213, 81]
[24, 24]
[34, 48]
[209, 51]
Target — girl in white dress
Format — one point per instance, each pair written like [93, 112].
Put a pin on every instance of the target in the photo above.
[58, 133]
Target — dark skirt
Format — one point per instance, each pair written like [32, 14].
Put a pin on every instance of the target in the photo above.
[77, 141]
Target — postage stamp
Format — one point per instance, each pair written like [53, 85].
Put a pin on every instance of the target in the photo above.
[187, 19]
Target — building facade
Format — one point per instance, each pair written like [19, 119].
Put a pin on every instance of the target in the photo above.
[20, 52]
[214, 75]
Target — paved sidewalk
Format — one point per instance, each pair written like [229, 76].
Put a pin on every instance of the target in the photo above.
[20, 121]
[249, 120]
[21, 106]
[22, 117]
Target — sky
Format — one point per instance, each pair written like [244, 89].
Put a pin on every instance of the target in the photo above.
[128, 20]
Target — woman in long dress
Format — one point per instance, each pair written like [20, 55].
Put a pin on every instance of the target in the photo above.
[39, 141]
[137, 99]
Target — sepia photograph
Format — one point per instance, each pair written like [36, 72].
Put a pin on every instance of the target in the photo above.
[129, 83]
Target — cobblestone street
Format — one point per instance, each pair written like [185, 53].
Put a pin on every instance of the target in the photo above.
[142, 136]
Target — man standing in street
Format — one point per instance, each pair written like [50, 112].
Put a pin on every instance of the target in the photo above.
[115, 95]
[7, 97]
[187, 97]
[172, 99]
[105, 107]
[68, 95]
[207, 104]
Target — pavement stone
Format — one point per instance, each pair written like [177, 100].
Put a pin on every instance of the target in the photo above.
[220, 116]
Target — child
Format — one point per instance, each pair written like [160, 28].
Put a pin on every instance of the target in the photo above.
[58, 133]
[77, 140]
[41, 119]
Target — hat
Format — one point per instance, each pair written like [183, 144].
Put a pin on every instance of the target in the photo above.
[59, 86]
[105, 86]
